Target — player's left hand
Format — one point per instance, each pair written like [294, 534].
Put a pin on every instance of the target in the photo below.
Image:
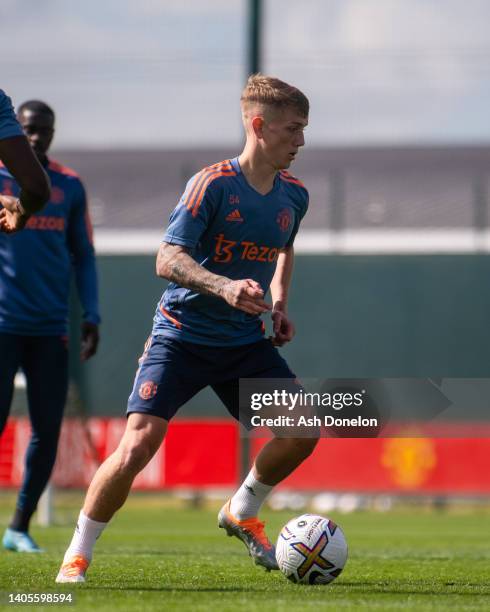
[283, 328]
[11, 218]
[90, 340]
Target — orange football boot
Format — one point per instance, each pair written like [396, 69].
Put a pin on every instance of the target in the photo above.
[73, 570]
[251, 532]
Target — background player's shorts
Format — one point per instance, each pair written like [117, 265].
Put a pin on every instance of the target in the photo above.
[44, 360]
[172, 371]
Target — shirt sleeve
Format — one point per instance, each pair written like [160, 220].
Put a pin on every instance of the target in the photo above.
[9, 126]
[80, 242]
[300, 213]
[192, 215]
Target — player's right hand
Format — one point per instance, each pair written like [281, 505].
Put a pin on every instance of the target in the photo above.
[11, 218]
[246, 295]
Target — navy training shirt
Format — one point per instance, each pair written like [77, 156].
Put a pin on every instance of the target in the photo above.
[234, 231]
[36, 263]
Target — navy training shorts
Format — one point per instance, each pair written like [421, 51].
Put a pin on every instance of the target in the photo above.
[171, 372]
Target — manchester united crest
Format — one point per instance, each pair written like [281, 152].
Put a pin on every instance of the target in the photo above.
[148, 390]
[284, 219]
[57, 195]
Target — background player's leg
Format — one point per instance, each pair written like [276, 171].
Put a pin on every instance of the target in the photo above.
[10, 355]
[10, 350]
[45, 364]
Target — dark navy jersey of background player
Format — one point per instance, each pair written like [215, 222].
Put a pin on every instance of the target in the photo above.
[9, 126]
[36, 263]
[234, 231]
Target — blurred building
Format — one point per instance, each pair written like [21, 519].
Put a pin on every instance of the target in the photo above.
[351, 189]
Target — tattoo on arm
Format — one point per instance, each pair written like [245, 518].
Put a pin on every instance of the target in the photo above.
[175, 264]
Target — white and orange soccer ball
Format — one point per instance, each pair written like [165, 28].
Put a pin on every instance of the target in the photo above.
[311, 549]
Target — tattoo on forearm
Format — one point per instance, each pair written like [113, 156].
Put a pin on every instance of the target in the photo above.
[184, 271]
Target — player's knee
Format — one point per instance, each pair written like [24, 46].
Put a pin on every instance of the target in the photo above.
[141, 440]
[134, 456]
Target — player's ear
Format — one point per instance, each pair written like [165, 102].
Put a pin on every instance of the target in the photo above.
[258, 126]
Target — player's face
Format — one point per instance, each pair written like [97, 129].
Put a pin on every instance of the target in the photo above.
[39, 129]
[283, 135]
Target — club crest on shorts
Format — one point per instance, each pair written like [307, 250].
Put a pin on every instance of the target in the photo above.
[284, 219]
[148, 390]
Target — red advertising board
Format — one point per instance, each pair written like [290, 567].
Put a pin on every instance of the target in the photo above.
[195, 454]
[204, 453]
[394, 465]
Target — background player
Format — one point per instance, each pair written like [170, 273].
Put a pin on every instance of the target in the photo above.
[21, 162]
[35, 272]
[229, 239]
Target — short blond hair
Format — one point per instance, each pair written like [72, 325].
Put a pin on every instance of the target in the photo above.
[270, 92]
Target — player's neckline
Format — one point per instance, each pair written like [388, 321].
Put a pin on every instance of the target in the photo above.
[262, 195]
[256, 191]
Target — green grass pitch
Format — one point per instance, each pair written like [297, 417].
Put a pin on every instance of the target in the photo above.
[157, 556]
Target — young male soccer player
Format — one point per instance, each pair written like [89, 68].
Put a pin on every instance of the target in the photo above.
[20, 160]
[229, 239]
[35, 271]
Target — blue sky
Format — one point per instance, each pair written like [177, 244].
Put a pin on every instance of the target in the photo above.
[156, 73]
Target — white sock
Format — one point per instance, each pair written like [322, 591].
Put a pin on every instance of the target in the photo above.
[250, 496]
[86, 533]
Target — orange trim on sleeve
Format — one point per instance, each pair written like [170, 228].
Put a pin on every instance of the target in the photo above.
[57, 167]
[172, 319]
[201, 178]
[195, 186]
[209, 172]
[289, 178]
[209, 180]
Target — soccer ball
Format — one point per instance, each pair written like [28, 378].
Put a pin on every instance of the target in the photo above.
[311, 549]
